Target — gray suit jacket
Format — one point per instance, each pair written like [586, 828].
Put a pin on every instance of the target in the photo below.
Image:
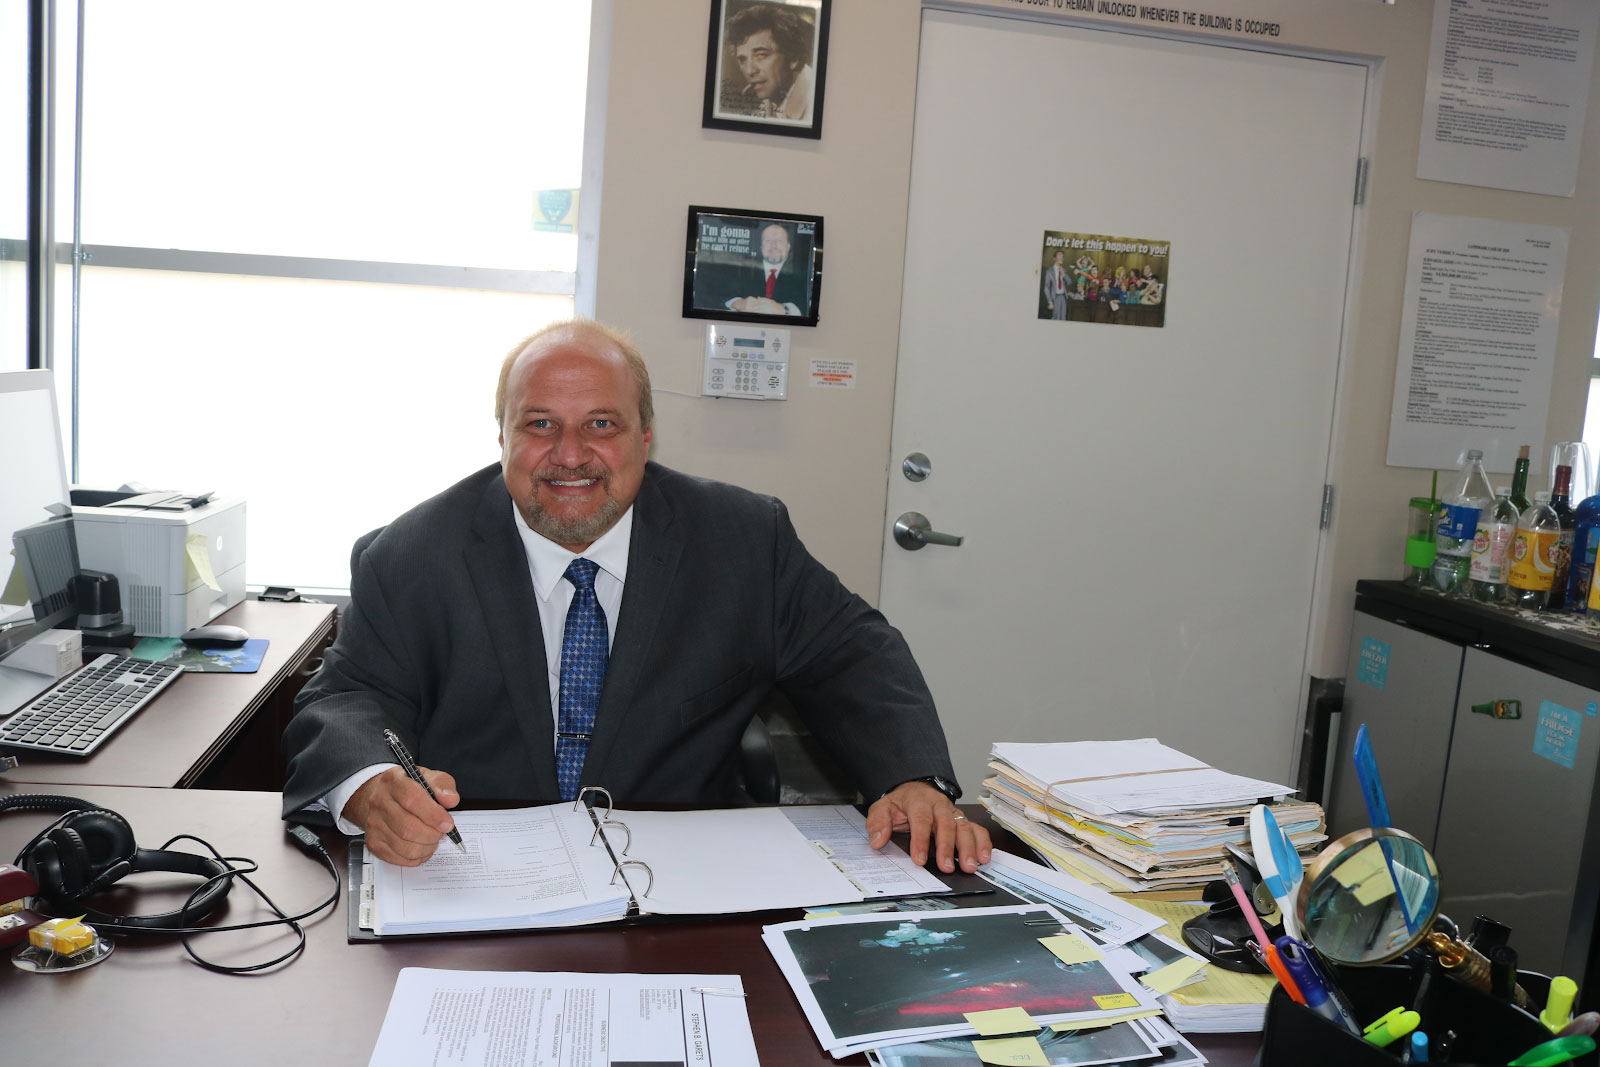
[442, 644]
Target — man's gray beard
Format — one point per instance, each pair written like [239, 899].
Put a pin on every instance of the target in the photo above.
[570, 531]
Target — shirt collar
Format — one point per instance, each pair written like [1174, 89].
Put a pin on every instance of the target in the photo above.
[549, 561]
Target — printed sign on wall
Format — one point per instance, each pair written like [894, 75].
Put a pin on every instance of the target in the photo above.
[1090, 277]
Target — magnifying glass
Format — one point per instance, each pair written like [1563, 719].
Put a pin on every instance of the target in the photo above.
[1369, 896]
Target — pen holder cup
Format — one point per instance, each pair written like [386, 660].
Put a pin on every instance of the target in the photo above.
[1489, 1032]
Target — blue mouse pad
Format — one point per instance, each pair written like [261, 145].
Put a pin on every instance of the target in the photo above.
[244, 659]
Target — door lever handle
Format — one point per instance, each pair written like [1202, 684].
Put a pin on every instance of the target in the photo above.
[913, 530]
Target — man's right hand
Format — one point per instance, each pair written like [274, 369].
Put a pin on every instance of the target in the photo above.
[403, 826]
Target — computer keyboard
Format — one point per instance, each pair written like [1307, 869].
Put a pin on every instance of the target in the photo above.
[77, 714]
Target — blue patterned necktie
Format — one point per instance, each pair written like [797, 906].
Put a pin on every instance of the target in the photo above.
[585, 649]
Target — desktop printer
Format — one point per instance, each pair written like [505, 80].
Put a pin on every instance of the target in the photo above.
[179, 558]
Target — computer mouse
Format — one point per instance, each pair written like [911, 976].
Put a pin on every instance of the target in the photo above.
[215, 637]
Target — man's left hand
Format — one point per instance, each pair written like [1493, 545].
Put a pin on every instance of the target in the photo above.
[923, 810]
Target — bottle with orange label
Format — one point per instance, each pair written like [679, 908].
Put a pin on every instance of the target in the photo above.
[1533, 554]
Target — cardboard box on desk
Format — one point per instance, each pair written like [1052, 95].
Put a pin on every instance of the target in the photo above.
[177, 569]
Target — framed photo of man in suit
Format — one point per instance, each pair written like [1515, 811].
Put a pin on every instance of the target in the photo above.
[752, 266]
[766, 61]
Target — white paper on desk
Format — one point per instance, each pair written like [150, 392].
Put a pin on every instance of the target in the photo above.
[1108, 920]
[721, 861]
[490, 1018]
[841, 830]
[1142, 775]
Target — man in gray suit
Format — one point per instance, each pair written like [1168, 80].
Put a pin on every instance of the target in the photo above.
[1056, 285]
[577, 614]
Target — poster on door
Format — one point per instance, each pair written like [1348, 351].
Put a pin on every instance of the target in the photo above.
[1093, 277]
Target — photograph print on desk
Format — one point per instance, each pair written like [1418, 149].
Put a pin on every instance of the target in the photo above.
[1137, 1043]
[869, 980]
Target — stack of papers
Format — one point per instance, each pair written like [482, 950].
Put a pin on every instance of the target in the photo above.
[1223, 1001]
[1134, 815]
[1073, 976]
[876, 981]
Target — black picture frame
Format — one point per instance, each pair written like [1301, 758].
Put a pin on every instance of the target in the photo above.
[725, 265]
[774, 99]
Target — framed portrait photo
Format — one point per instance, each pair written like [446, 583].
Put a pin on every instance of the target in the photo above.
[752, 266]
[765, 66]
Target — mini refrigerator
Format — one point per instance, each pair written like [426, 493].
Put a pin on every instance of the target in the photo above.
[1484, 724]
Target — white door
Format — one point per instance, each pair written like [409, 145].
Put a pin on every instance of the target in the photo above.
[1140, 506]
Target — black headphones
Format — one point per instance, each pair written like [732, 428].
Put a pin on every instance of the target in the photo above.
[89, 849]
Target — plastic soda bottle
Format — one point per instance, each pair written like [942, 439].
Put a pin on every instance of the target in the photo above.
[1491, 548]
[1533, 554]
[1468, 497]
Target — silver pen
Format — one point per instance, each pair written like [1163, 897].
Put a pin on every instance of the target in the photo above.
[409, 765]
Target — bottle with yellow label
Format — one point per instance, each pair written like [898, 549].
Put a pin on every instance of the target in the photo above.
[1533, 554]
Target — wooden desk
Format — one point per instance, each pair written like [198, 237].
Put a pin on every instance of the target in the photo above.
[148, 1005]
[208, 730]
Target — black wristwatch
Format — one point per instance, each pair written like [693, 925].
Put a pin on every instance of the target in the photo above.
[943, 785]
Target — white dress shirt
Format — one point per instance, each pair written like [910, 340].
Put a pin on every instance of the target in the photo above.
[547, 563]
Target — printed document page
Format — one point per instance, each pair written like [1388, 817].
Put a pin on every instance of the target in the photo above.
[564, 1019]
[839, 832]
[717, 862]
[522, 867]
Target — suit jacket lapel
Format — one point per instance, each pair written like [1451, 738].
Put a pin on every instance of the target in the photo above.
[653, 555]
[498, 567]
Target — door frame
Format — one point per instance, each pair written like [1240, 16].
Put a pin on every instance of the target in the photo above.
[1322, 593]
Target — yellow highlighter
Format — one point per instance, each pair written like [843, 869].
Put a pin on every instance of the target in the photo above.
[1558, 1009]
[1391, 1027]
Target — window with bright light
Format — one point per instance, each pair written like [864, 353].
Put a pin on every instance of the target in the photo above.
[312, 231]
[13, 184]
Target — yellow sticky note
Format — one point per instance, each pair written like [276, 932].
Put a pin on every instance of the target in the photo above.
[1002, 1021]
[829, 913]
[1070, 949]
[199, 565]
[1375, 887]
[1358, 868]
[1011, 1051]
[1106, 1020]
[1173, 974]
[1117, 1000]
[16, 591]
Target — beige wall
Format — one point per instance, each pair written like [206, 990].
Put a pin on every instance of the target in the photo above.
[825, 452]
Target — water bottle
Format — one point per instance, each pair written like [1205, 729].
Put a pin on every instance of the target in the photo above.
[1468, 497]
[1491, 548]
[1533, 554]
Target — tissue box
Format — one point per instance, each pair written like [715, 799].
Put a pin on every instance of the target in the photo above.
[52, 653]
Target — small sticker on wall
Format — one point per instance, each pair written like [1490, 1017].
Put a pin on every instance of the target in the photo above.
[1591, 708]
[1556, 738]
[1374, 666]
[833, 373]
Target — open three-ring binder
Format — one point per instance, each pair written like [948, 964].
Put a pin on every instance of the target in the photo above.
[586, 862]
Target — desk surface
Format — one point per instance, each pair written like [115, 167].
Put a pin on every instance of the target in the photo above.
[172, 740]
[328, 1006]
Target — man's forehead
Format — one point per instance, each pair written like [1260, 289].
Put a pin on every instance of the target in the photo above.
[572, 358]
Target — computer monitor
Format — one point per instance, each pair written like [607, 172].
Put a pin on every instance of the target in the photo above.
[38, 552]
